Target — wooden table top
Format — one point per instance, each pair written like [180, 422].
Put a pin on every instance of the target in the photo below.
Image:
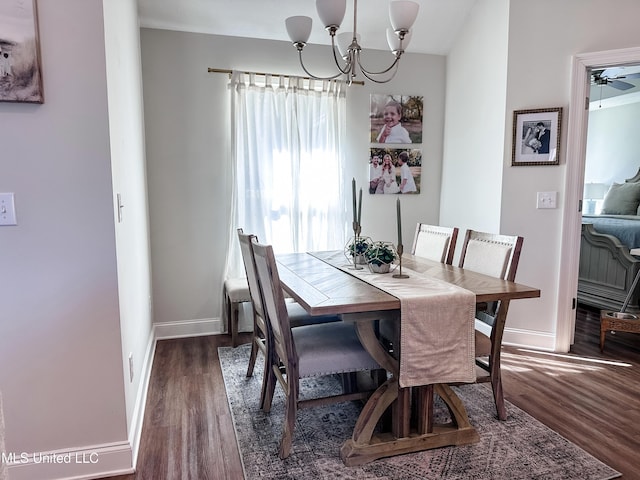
[323, 289]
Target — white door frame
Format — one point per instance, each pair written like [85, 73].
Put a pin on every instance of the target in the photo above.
[574, 182]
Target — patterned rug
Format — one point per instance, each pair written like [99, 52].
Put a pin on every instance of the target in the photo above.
[520, 448]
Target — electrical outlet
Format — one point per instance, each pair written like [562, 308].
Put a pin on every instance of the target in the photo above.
[131, 367]
[546, 199]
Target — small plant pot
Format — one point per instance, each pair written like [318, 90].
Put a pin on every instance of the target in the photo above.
[381, 256]
[384, 268]
[358, 247]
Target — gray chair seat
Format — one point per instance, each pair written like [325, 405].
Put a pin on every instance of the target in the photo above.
[330, 348]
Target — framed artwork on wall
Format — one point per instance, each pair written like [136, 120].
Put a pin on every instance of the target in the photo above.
[536, 136]
[395, 170]
[20, 68]
[396, 118]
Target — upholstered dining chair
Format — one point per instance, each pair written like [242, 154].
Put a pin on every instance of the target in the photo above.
[235, 292]
[435, 242]
[297, 315]
[307, 351]
[498, 256]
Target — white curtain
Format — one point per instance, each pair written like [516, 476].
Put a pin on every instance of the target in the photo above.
[287, 141]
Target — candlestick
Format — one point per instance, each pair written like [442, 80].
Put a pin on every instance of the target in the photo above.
[400, 249]
[353, 195]
[399, 221]
[360, 207]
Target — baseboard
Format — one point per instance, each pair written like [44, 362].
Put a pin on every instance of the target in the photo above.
[188, 328]
[529, 339]
[200, 327]
[108, 460]
[91, 462]
[76, 464]
[135, 429]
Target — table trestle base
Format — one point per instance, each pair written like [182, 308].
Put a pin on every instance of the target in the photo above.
[386, 445]
[365, 445]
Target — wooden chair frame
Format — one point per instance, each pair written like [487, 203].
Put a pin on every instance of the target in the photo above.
[259, 336]
[494, 315]
[283, 357]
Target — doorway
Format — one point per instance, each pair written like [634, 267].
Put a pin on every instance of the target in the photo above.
[582, 67]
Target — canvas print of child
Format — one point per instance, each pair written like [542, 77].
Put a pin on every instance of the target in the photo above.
[396, 119]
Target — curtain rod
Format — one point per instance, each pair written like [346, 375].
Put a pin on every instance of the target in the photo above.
[220, 70]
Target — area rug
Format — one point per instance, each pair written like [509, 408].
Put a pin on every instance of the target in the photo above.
[520, 448]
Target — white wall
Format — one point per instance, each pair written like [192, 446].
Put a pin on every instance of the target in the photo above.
[126, 126]
[61, 371]
[612, 153]
[475, 121]
[542, 38]
[569, 31]
[187, 132]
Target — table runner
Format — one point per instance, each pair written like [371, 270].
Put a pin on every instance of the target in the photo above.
[437, 342]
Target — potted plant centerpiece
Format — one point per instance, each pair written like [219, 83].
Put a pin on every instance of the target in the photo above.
[380, 256]
[356, 247]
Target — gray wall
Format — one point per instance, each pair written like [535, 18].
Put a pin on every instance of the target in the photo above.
[187, 131]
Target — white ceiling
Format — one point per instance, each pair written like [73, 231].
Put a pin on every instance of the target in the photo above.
[435, 29]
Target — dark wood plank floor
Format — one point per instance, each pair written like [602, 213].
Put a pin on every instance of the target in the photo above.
[592, 399]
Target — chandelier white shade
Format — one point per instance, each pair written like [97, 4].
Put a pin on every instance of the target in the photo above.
[402, 14]
[298, 28]
[331, 12]
[346, 45]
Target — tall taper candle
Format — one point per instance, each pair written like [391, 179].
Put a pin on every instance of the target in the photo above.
[360, 207]
[353, 194]
[399, 223]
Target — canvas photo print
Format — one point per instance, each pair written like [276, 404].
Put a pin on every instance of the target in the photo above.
[394, 171]
[20, 72]
[396, 118]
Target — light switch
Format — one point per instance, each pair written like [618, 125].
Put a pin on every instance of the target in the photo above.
[7, 209]
[546, 199]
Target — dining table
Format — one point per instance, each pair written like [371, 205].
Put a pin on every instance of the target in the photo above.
[329, 283]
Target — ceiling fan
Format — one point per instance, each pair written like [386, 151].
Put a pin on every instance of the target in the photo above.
[605, 77]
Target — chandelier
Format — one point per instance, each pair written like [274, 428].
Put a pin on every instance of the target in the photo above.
[345, 46]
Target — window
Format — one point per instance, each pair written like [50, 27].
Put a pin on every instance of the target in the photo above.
[288, 135]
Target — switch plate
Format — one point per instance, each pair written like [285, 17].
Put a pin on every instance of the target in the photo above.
[546, 199]
[7, 209]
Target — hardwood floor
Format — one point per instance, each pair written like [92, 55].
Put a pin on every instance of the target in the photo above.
[590, 398]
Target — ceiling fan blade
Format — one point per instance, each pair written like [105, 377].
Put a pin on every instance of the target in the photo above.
[632, 75]
[612, 72]
[620, 85]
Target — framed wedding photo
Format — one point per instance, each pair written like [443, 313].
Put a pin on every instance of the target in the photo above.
[20, 71]
[536, 136]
